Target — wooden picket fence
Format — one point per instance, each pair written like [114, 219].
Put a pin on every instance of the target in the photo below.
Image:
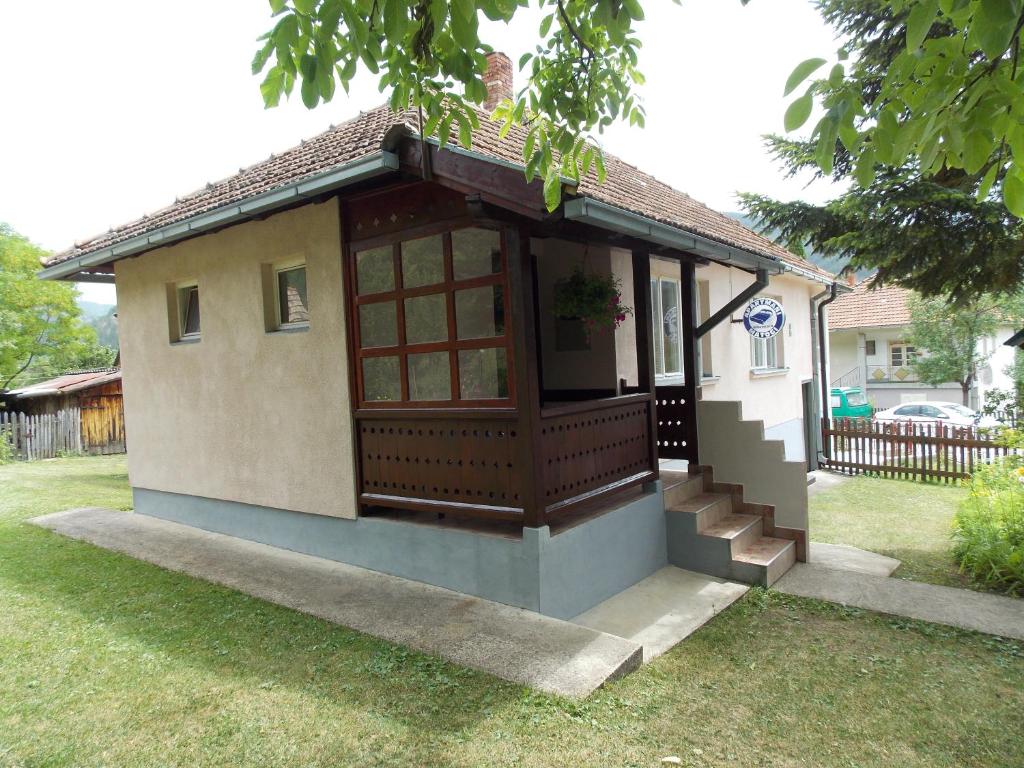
[43, 436]
[905, 450]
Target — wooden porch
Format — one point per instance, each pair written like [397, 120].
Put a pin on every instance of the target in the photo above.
[452, 413]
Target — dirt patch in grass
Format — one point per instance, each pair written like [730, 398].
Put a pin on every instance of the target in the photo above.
[106, 660]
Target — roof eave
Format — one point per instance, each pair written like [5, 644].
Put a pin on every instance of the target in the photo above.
[365, 167]
[591, 211]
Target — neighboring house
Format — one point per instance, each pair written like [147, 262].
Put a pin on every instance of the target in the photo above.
[97, 395]
[350, 350]
[869, 347]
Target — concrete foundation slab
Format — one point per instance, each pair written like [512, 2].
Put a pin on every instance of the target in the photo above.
[993, 614]
[841, 557]
[663, 609]
[511, 643]
[823, 480]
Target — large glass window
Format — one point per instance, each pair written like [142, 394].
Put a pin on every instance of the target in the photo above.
[668, 337]
[430, 319]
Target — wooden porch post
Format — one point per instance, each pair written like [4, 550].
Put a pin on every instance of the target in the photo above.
[691, 356]
[527, 375]
[645, 345]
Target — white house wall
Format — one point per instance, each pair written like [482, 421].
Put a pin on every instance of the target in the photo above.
[775, 398]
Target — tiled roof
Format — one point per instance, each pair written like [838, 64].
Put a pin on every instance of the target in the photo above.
[865, 307]
[625, 187]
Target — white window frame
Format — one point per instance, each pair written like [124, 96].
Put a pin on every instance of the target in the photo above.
[771, 351]
[182, 291]
[906, 356]
[277, 270]
[658, 319]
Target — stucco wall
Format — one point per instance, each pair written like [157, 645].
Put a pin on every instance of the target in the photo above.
[242, 415]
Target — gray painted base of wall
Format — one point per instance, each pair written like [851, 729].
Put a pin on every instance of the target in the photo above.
[560, 576]
[792, 434]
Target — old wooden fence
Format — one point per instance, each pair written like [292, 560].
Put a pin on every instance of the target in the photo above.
[913, 451]
[42, 436]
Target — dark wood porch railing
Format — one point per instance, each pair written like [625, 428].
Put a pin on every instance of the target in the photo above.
[468, 462]
[593, 447]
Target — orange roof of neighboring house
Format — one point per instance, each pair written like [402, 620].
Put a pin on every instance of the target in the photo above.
[867, 307]
[625, 187]
[68, 383]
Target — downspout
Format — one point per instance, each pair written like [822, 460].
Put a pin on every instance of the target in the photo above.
[822, 361]
[760, 281]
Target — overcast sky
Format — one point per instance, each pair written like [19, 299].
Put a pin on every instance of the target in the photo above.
[114, 108]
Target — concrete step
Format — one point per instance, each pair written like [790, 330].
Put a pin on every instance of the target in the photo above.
[677, 487]
[707, 508]
[742, 531]
[767, 557]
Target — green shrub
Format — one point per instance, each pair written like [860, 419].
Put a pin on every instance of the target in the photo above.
[988, 529]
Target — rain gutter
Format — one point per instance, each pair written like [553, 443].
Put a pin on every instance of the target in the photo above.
[590, 211]
[340, 176]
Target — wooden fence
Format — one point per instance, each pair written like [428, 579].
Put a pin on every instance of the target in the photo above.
[912, 451]
[42, 436]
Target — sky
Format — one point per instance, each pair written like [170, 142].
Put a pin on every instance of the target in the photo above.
[112, 109]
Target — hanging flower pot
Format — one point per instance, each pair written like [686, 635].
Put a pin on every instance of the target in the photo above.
[594, 299]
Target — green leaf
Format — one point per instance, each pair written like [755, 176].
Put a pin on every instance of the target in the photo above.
[310, 93]
[977, 149]
[987, 181]
[276, 6]
[803, 70]
[866, 166]
[465, 8]
[271, 87]
[305, 6]
[1013, 193]
[798, 112]
[552, 189]
[920, 21]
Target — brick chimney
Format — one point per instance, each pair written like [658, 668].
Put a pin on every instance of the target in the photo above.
[851, 278]
[498, 79]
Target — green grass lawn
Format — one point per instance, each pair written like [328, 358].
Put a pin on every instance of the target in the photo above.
[108, 661]
[908, 520]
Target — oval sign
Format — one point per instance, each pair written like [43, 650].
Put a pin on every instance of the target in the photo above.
[763, 317]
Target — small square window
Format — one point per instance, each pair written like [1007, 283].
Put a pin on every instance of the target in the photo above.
[188, 311]
[869, 347]
[292, 302]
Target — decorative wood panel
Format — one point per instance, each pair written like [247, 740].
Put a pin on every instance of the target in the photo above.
[674, 431]
[403, 209]
[445, 460]
[593, 446]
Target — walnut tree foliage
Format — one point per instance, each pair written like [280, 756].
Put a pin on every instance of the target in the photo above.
[920, 113]
[581, 76]
[41, 329]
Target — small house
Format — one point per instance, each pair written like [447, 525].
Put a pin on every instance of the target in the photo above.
[94, 395]
[870, 348]
[353, 349]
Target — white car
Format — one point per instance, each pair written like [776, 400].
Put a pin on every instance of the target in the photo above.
[935, 412]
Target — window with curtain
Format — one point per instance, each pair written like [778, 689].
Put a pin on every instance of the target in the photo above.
[430, 320]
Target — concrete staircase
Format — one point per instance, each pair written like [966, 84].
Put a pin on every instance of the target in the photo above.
[712, 530]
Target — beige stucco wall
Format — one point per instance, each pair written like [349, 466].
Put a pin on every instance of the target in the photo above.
[243, 414]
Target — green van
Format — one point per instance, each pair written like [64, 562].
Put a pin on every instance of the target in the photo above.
[849, 403]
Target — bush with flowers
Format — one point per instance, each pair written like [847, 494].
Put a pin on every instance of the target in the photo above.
[595, 299]
[988, 530]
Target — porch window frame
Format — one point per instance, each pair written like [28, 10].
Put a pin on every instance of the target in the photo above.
[658, 320]
[908, 353]
[447, 288]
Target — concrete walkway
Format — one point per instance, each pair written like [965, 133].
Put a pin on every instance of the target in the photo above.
[993, 614]
[514, 644]
[841, 557]
[663, 609]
